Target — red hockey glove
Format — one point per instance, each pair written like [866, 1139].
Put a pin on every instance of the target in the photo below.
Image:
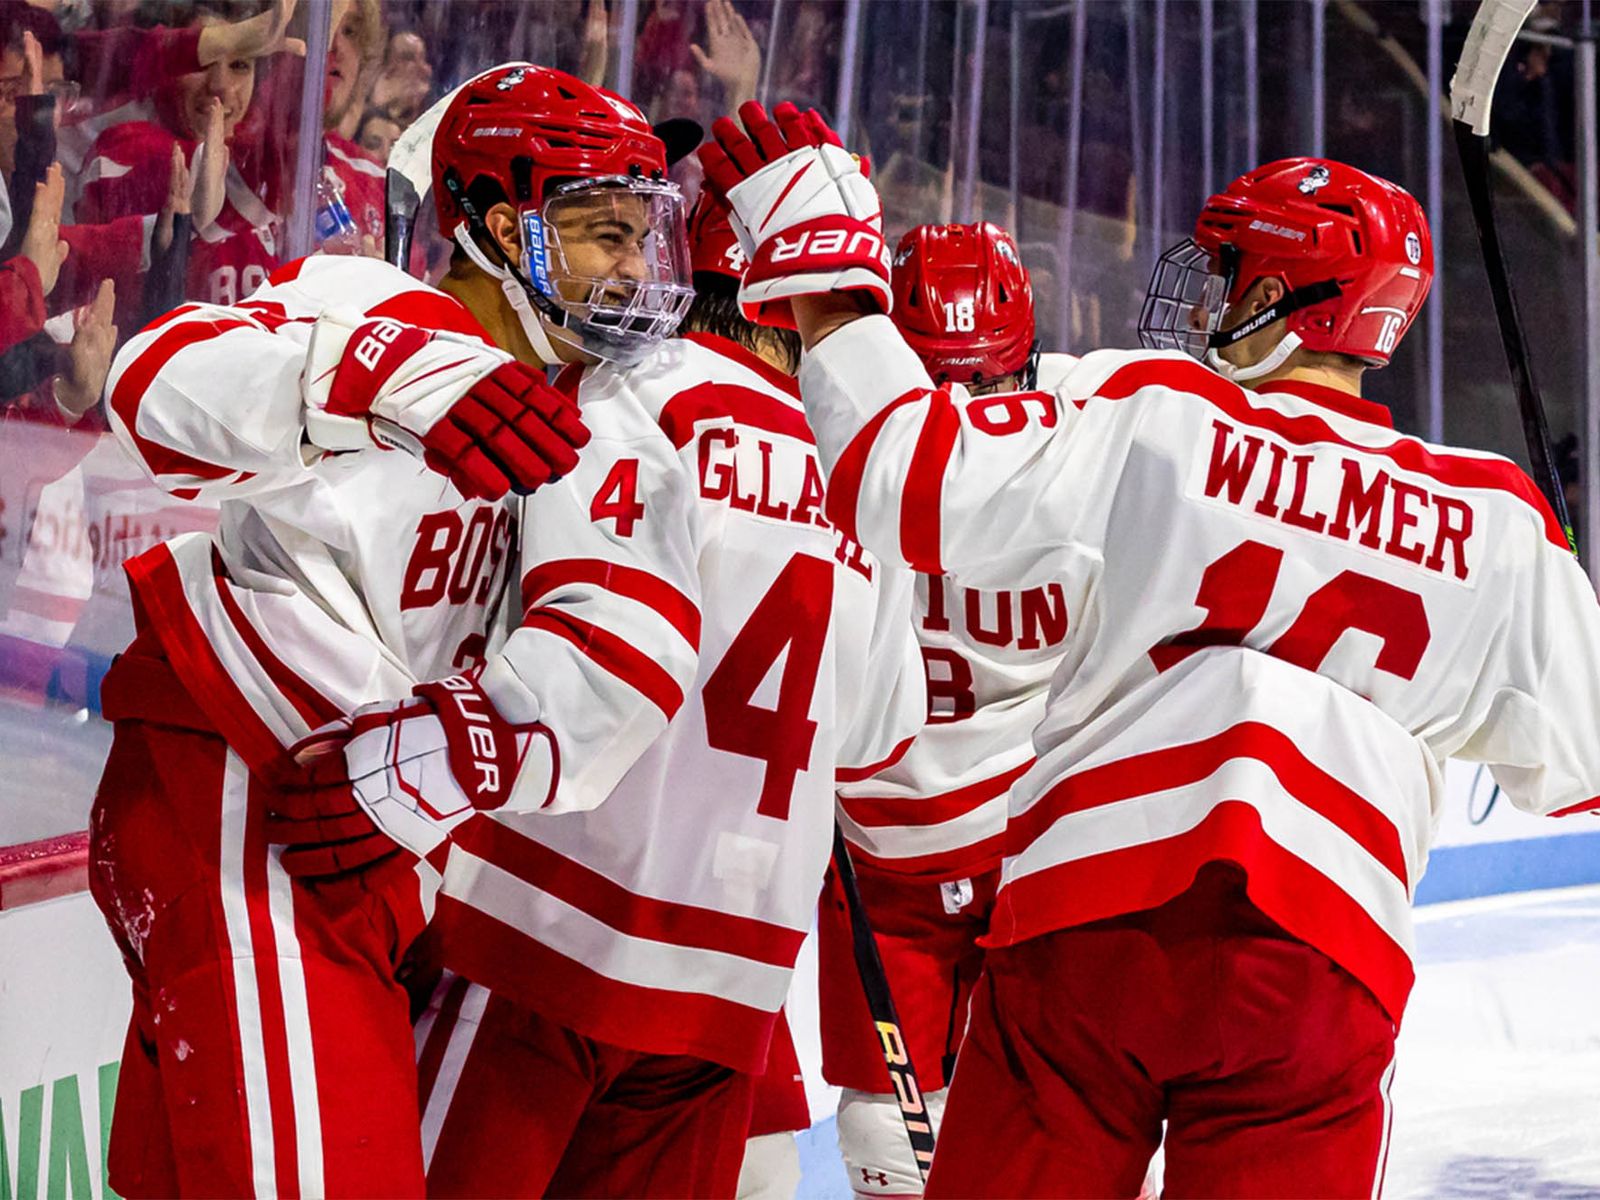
[471, 412]
[806, 215]
[403, 776]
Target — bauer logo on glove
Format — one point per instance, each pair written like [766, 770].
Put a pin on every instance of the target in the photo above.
[805, 212]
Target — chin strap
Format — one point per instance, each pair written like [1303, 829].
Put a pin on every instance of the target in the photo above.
[1305, 297]
[1289, 343]
[532, 323]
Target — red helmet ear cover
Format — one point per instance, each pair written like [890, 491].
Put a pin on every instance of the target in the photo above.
[1306, 220]
[963, 301]
[557, 125]
[713, 246]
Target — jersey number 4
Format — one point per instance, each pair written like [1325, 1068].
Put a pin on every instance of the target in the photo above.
[1237, 588]
[792, 616]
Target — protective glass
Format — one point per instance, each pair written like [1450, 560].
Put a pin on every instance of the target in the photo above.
[1185, 302]
[613, 255]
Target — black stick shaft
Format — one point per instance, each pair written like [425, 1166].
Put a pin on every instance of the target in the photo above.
[880, 1004]
[1474, 152]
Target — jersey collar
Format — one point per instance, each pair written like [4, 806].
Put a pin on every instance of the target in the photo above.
[1340, 402]
[728, 348]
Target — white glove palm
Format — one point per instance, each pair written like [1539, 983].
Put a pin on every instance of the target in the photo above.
[806, 214]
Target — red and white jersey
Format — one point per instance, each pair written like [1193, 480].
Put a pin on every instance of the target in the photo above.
[667, 918]
[361, 179]
[1283, 618]
[989, 657]
[127, 174]
[333, 581]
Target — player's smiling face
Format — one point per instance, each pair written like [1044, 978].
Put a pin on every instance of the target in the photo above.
[601, 235]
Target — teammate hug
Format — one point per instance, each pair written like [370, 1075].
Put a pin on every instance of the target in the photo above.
[553, 615]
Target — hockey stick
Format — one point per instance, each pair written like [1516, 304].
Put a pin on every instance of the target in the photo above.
[880, 1004]
[1494, 28]
[408, 179]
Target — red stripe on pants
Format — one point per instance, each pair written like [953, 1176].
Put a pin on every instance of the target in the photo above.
[211, 1048]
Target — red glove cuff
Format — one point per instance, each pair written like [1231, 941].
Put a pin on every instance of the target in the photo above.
[374, 352]
[482, 745]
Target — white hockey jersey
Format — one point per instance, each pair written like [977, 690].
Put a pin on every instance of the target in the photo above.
[668, 918]
[989, 657]
[348, 578]
[1283, 615]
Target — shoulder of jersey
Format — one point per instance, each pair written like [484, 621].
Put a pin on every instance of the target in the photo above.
[375, 287]
[1053, 370]
[675, 377]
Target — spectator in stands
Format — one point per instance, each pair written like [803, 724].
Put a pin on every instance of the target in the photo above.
[376, 134]
[404, 85]
[28, 278]
[355, 50]
[66, 385]
[354, 54]
[205, 114]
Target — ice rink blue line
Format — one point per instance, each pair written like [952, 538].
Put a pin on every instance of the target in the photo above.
[1490, 868]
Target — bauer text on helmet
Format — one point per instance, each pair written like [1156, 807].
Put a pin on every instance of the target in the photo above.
[1351, 252]
[602, 271]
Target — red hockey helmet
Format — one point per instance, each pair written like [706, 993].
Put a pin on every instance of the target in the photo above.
[570, 157]
[964, 303]
[713, 246]
[1353, 252]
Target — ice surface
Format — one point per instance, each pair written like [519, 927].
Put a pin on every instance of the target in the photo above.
[1497, 1083]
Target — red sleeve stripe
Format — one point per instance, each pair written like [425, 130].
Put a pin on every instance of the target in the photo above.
[289, 272]
[1180, 766]
[892, 812]
[1583, 806]
[141, 373]
[170, 316]
[1452, 470]
[844, 485]
[857, 774]
[431, 310]
[314, 708]
[731, 401]
[920, 522]
[610, 652]
[656, 593]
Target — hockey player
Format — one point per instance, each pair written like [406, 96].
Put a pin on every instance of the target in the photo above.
[926, 834]
[632, 959]
[360, 430]
[771, 1167]
[1284, 618]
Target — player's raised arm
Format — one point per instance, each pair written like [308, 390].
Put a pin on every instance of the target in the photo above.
[238, 400]
[919, 474]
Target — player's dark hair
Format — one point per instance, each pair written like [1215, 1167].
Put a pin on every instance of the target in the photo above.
[716, 310]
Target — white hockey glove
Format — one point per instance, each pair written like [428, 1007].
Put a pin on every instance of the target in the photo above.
[394, 777]
[470, 411]
[807, 217]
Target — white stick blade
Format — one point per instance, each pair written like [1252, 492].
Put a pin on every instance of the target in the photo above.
[1489, 40]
